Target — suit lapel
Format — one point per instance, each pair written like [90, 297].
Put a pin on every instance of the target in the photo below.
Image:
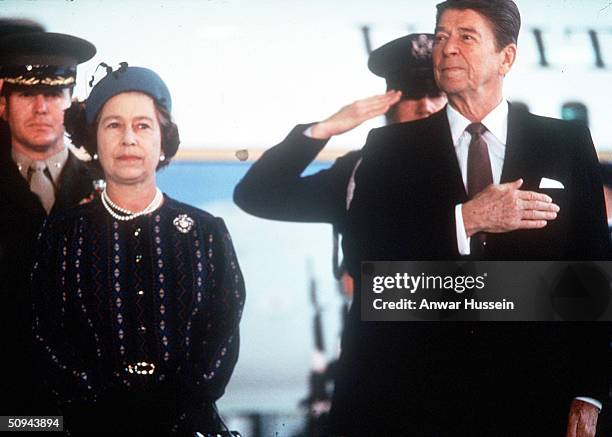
[517, 147]
[446, 157]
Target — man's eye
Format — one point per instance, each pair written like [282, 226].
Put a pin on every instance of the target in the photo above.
[468, 37]
[438, 38]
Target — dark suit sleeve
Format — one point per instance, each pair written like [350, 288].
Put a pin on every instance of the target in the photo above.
[588, 230]
[589, 237]
[273, 187]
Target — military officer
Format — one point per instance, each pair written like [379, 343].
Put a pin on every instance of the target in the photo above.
[37, 174]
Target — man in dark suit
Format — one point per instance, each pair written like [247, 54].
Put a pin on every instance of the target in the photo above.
[478, 180]
[38, 174]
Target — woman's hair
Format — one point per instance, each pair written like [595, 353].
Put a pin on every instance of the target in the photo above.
[84, 135]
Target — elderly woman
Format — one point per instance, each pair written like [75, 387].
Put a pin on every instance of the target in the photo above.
[137, 296]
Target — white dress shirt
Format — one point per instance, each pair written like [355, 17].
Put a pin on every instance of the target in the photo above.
[496, 123]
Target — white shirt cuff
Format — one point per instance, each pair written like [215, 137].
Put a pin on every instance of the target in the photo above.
[308, 132]
[591, 401]
[463, 241]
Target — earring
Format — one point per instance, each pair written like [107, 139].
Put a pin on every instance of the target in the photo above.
[162, 157]
[95, 157]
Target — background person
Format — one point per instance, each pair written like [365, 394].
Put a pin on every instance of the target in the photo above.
[37, 173]
[273, 187]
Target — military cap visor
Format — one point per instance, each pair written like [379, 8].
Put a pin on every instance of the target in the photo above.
[42, 58]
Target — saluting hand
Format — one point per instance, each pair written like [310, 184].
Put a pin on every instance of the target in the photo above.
[351, 116]
[505, 208]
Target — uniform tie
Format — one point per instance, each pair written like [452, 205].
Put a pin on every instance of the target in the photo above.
[479, 175]
[41, 185]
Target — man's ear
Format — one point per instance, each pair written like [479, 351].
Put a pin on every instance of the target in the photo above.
[508, 58]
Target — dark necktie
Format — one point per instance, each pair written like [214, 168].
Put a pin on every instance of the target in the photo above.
[479, 165]
[479, 174]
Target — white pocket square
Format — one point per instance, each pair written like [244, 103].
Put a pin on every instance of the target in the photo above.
[550, 183]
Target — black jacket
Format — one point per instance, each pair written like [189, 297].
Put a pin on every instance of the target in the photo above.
[469, 378]
[22, 216]
[89, 320]
[273, 187]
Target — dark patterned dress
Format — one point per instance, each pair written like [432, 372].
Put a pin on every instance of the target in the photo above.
[137, 321]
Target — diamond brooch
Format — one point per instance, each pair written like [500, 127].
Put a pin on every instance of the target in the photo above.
[183, 223]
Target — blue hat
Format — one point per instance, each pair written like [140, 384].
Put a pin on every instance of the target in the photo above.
[123, 80]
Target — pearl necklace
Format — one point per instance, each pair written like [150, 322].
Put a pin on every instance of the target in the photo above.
[127, 214]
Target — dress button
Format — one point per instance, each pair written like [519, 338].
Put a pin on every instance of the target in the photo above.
[484, 243]
[138, 258]
[142, 329]
[471, 331]
[137, 232]
[140, 292]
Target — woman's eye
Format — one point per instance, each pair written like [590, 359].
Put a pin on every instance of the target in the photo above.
[112, 125]
[143, 126]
